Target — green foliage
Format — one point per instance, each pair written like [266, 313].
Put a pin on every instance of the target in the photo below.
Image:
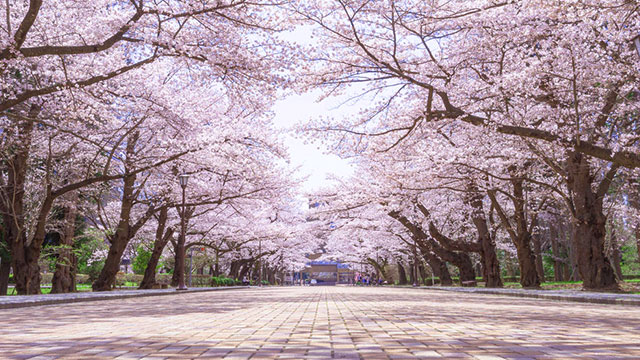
[88, 243]
[141, 260]
[223, 281]
[548, 262]
[629, 263]
[94, 269]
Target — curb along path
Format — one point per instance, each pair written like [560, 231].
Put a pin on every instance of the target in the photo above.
[560, 295]
[18, 301]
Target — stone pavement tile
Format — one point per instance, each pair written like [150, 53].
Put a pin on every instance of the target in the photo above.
[133, 355]
[323, 323]
[426, 354]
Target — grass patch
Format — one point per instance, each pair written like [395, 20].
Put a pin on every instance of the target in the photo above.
[47, 290]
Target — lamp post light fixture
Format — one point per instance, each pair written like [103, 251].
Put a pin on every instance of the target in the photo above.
[636, 42]
[184, 179]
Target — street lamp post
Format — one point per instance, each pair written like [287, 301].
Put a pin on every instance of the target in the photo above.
[415, 263]
[260, 262]
[190, 264]
[184, 179]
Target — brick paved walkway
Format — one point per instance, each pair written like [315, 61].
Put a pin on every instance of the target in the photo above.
[321, 323]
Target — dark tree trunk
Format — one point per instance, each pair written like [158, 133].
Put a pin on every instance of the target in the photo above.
[271, 276]
[555, 249]
[245, 268]
[445, 276]
[589, 224]
[424, 274]
[402, 275]
[120, 238]
[459, 259]
[5, 264]
[439, 267]
[64, 279]
[234, 269]
[161, 240]
[528, 272]
[125, 230]
[614, 255]
[537, 249]
[519, 232]
[216, 268]
[380, 268]
[26, 271]
[413, 279]
[149, 278]
[490, 263]
[174, 276]
[5, 270]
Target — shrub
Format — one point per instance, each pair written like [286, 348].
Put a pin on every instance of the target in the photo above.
[94, 270]
[163, 278]
[141, 260]
[223, 281]
[82, 279]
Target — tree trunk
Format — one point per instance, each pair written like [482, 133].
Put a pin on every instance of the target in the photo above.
[614, 255]
[24, 256]
[526, 260]
[174, 276]
[439, 267]
[125, 230]
[557, 265]
[5, 270]
[234, 269]
[402, 275]
[537, 250]
[161, 240]
[64, 277]
[244, 270]
[589, 225]
[412, 273]
[119, 240]
[180, 248]
[519, 233]
[459, 259]
[5, 264]
[490, 263]
[424, 274]
[445, 275]
[216, 268]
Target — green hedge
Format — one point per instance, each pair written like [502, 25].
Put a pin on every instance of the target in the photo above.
[224, 281]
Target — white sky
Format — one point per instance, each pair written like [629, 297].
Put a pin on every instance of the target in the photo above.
[312, 158]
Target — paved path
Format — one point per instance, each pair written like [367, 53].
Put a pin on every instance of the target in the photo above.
[322, 323]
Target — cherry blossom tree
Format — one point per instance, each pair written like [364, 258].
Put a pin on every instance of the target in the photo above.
[558, 75]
